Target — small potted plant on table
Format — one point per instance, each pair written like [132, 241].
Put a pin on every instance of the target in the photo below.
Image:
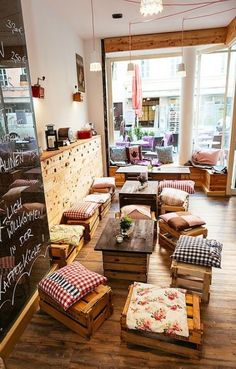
[125, 225]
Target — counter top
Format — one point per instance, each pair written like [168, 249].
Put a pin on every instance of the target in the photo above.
[48, 154]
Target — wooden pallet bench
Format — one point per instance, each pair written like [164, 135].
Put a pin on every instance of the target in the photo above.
[184, 346]
[89, 224]
[85, 316]
[64, 253]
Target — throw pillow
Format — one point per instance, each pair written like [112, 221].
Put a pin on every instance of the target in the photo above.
[104, 182]
[184, 185]
[81, 210]
[173, 197]
[64, 233]
[199, 251]
[164, 154]
[70, 283]
[134, 154]
[182, 220]
[206, 157]
[98, 198]
[137, 211]
[118, 154]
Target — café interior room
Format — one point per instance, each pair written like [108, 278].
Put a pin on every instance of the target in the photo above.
[117, 184]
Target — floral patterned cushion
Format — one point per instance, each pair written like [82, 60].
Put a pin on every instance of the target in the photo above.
[158, 310]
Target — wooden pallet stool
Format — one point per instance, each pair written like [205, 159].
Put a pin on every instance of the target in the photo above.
[89, 224]
[173, 208]
[195, 278]
[64, 253]
[168, 236]
[100, 186]
[85, 316]
[184, 346]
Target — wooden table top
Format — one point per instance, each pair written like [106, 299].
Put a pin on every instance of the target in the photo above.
[130, 169]
[131, 187]
[141, 240]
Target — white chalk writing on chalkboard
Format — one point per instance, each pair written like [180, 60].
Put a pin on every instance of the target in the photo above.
[15, 224]
[12, 250]
[10, 24]
[17, 58]
[15, 275]
[2, 50]
[13, 161]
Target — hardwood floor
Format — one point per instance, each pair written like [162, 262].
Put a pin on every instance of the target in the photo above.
[47, 344]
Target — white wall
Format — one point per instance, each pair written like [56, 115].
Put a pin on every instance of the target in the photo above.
[95, 95]
[51, 45]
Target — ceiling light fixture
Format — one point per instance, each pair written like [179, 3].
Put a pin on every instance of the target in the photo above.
[130, 67]
[150, 7]
[181, 70]
[95, 65]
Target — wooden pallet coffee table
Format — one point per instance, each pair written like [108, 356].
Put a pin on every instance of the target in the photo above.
[130, 194]
[128, 260]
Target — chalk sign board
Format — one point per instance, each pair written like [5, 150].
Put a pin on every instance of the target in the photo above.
[24, 236]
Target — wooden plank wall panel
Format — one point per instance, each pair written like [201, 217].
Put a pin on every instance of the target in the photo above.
[68, 176]
[231, 33]
[168, 39]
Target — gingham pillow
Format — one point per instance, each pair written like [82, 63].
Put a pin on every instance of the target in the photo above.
[173, 197]
[199, 251]
[184, 185]
[81, 210]
[69, 284]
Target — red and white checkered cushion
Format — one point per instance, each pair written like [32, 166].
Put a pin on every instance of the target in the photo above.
[81, 210]
[69, 284]
[184, 185]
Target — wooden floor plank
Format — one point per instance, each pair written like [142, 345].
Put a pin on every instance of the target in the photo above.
[47, 344]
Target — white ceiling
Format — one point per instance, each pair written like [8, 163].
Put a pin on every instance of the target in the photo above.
[78, 14]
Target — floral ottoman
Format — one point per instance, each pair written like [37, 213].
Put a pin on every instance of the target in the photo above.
[162, 318]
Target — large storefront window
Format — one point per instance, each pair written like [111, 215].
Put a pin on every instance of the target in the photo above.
[214, 99]
[160, 99]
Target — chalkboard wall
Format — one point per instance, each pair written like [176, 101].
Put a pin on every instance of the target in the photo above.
[23, 222]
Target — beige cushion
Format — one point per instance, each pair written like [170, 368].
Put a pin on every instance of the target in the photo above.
[64, 233]
[137, 211]
[173, 197]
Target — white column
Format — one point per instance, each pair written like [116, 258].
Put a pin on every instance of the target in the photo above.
[186, 106]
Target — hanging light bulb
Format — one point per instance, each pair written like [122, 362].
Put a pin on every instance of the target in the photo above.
[130, 66]
[181, 70]
[150, 7]
[95, 65]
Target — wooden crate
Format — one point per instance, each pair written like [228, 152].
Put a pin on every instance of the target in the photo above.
[195, 278]
[64, 254]
[104, 209]
[109, 190]
[89, 224]
[171, 208]
[184, 346]
[85, 316]
[168, 236]
[119, 177]
[125, 265]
